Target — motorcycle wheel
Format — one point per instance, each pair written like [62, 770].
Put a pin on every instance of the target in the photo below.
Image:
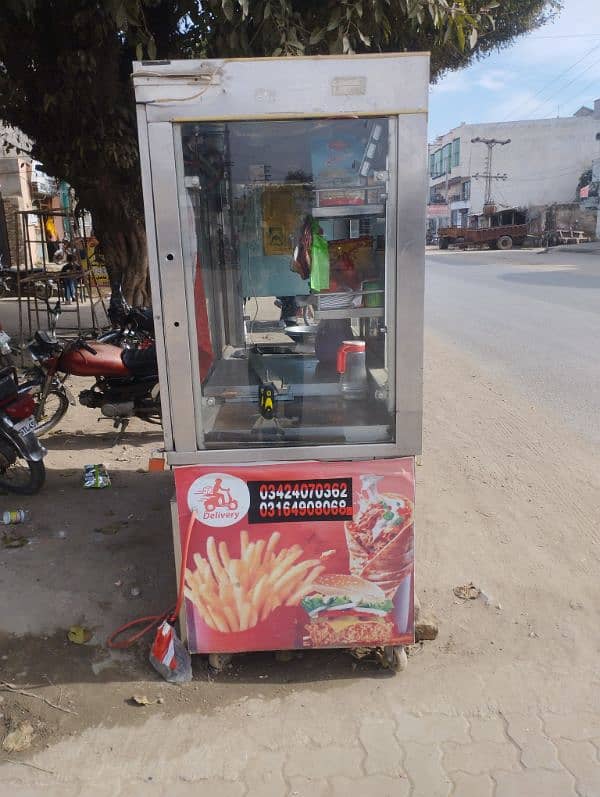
[51, 412]
[21, 476]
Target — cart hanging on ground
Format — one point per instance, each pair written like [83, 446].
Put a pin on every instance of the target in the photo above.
[272, 184]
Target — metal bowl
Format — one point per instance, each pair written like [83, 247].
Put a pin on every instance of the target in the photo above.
[301, 330]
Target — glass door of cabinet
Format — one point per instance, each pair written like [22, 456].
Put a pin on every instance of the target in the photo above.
[289, 252]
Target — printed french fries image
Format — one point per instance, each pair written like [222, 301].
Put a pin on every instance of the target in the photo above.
[236, 594]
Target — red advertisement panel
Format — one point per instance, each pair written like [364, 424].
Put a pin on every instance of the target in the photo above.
[299, 554]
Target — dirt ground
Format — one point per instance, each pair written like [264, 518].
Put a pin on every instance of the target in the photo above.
[506, 498]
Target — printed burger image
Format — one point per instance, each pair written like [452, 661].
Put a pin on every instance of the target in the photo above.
[347, 611]
[302, 554]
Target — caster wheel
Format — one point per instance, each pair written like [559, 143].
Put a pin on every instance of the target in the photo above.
[218, 661]
[395, 658]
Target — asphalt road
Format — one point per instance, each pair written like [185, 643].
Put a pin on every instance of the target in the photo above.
[531, 317]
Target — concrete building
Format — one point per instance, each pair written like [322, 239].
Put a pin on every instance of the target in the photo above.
[543, 163]
[22, 187]
[15, 188]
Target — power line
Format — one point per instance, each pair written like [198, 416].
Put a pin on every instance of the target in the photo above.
[554, 79]
[566, 86]
[584, 90]
[538, 178]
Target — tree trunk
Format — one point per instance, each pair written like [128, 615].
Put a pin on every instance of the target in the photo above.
[122, 237]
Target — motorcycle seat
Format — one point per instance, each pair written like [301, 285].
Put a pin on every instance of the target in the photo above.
[140, 362]
[45, 337]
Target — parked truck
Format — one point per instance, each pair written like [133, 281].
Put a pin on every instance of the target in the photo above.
[499, 230]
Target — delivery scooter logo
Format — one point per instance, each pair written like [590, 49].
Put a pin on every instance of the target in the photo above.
[219, 499]
[217, 495]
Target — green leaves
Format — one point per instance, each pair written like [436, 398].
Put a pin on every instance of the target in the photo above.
[334, 20]
[460, 35]
[316, 36]
[451, 29]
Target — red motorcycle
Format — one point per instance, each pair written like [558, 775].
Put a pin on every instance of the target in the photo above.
[126, 379]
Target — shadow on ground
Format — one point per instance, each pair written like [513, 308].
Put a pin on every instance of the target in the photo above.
[83, 441]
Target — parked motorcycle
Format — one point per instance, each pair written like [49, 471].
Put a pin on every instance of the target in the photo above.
[126, 383]
[21, 455]
[56, 402]
[133, 329]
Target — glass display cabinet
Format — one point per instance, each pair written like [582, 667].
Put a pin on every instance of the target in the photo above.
[285, 215]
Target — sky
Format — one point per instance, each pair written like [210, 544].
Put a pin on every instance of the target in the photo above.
[552, 71]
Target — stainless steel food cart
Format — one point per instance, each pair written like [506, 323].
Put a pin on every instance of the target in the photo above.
[285, 214]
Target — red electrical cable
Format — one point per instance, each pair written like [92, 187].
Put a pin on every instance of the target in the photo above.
[153, 621]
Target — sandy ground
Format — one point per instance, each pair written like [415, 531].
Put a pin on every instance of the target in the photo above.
[506, 498]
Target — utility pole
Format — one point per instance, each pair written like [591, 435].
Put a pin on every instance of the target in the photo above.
[490, 143]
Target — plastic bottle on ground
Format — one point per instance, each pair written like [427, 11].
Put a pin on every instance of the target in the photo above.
[14, 516]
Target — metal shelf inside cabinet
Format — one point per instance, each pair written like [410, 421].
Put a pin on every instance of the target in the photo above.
[335, 211]
[351, 312]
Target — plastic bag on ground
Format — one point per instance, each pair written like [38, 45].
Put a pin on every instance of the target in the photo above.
[95, 477]
[169, 656]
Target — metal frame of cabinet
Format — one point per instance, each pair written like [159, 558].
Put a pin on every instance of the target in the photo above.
[171, 93]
